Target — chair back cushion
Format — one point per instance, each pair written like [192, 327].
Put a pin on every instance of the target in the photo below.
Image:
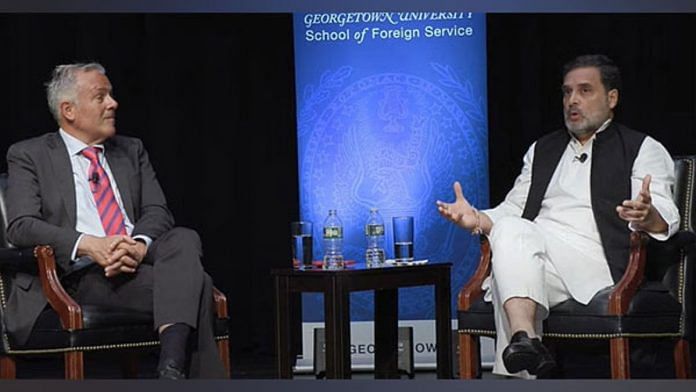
[668, 262]
[684, 168]
[686, 196]
[4, 280]
[3, 211]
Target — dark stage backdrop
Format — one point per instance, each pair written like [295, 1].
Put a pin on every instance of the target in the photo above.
[657, 57]
[212, 97]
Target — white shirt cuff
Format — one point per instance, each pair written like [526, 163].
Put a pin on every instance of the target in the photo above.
[73, 255]
[145, 238]
[664, 236]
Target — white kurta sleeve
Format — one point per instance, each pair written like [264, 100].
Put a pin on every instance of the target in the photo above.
[654, 159]
[514, 202]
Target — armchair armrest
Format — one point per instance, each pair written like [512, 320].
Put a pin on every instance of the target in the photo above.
[220, 303]
[472, 289]
[20, 260]
[683, 240]
[622, 294]
[626, 288]
[68, 310]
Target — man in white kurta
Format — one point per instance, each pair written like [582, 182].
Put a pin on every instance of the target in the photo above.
[559, 255]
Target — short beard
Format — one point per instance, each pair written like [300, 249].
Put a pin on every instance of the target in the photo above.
[584, 131]
[591, 127]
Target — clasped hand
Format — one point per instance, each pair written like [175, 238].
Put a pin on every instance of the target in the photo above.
[116, 254]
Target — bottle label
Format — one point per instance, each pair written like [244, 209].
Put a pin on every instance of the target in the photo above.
[333, 232]
[371, 230]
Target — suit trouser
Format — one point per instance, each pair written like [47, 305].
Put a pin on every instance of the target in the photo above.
[521, 267]
[171, 284]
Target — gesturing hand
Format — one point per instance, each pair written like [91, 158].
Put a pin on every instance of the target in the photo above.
[459, 212]
[640, 211]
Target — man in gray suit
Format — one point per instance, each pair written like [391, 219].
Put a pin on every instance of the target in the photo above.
[93, 196]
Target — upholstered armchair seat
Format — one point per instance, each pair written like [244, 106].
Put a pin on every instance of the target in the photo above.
[652, 311]
[478, 319]
[101, 327]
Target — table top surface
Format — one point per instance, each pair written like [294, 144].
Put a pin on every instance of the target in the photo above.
[362, 268]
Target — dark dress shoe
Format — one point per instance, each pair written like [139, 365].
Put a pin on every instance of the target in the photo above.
[170, 371]
[527, 354]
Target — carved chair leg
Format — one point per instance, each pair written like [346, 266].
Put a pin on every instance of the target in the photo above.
[74, 365]
[468, 356]
[224, 352]
[129, 364]
[682, 359]
[620, 359]
[8, 368]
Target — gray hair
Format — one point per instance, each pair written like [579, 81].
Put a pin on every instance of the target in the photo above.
[61, 87]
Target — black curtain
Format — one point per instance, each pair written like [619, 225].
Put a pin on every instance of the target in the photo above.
[212, 97]
[656, 54]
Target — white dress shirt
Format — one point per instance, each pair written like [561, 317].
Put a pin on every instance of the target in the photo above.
[566, 210]
[88, 220]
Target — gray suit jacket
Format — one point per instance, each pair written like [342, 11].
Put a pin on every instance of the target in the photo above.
[41, 209]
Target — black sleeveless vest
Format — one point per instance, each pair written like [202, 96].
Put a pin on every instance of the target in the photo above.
[613, 152]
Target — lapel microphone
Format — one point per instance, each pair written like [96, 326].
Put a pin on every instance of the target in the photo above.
[95, 177]
[582, 158]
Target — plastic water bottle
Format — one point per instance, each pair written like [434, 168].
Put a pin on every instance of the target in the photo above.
[333, 242]
[374, 233]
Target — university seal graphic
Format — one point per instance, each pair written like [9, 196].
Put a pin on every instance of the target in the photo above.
[394, 141]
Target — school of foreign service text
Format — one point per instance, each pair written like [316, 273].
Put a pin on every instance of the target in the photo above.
[378, 33]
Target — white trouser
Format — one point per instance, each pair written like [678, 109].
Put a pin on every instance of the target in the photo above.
[521, 267]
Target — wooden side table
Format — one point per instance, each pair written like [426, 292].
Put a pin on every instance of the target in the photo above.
[336, 287]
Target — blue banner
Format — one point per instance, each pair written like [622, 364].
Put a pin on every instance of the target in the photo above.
[391, 110]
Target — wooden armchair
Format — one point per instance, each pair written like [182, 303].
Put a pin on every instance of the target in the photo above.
[654, 299]
[69, 329]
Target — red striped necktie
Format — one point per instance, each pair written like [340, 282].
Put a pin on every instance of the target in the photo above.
[109, 211]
